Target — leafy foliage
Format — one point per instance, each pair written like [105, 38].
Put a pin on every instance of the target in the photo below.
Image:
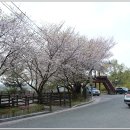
[119, 74]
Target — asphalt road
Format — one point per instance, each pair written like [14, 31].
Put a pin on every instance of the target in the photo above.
[108, 111]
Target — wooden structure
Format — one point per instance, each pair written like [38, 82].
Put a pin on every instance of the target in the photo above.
[106, 82]
[48, 99]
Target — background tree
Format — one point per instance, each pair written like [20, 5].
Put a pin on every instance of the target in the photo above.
[119, 74]
[11, 78]
[90, 55]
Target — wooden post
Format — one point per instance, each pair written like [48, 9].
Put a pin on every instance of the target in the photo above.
[13, 103]
[50, 102]
[25, 100]
[99, 86]
[17, 100]
[33, 98]
[9, 100]
[0, 99]
[47, 97]
[69, 99]
[60, 98]
[99, 82]
[28, 101]
[64, 100]
[64, 96]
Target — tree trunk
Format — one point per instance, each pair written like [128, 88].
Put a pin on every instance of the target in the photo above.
[40, 97]
[77, 87]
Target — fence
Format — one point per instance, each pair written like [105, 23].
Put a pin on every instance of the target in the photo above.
[61, 99]
[13, 100]
[48, 99]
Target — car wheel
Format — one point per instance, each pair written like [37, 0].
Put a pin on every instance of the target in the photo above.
[128, 105]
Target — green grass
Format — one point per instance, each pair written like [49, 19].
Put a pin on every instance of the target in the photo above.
[21, 110]
[78, 101]
[32, 108]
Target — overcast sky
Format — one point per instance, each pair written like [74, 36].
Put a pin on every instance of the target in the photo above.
[93, 19]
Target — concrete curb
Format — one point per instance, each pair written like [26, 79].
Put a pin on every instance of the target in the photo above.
[23, 116]
[85, 103]
[39, 113]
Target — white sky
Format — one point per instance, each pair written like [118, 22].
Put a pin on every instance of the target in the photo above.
[93, 19]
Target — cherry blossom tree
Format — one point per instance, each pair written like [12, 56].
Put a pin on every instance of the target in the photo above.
[49, 53]
[15, 35]
[43, 57]
[91, 55]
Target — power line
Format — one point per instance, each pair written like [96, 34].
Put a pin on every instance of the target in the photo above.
[7, 7]
[10, 8]
[29, 18]
[26, 16]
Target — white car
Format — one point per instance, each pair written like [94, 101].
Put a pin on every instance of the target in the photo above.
[95, 91]
[127, 98]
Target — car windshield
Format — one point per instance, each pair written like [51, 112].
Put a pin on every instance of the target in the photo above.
[119, 88]
[94, 88]
[125, 88]
[122, 88]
